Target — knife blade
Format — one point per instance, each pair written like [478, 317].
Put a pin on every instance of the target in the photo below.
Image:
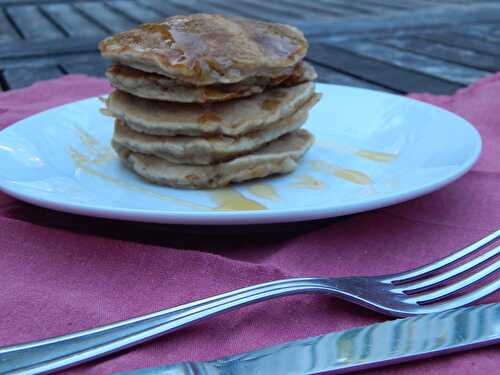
[366, 347]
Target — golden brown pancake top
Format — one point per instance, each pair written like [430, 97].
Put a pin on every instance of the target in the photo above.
[204, 49]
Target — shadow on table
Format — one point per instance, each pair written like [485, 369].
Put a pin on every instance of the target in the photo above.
[212, 238]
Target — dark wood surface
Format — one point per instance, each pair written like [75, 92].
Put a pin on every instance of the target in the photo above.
[398, 46]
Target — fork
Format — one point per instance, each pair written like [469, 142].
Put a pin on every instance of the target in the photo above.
[418, 291]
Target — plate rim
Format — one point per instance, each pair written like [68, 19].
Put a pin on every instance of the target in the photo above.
[252, 217]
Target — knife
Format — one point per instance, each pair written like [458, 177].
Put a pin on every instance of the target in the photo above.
[366, 347]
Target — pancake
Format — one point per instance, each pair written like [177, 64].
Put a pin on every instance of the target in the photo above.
[155, 86]
[278, 157]
[204, 49]
[204, 150]
[232, 118]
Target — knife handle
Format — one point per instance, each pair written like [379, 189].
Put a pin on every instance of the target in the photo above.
[55, 353]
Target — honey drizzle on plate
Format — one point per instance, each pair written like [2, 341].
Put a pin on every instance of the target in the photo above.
[231, 200]
[226, 199]
[82, 162]
[307, 182]
[351, 175]
[101, 154]
[383, 157]
[264, 191]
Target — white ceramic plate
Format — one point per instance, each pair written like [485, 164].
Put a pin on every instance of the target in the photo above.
[373, 150]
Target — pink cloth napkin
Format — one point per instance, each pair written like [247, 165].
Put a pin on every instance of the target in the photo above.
[61, 272]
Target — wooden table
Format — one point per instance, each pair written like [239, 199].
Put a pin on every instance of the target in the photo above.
[399, 46]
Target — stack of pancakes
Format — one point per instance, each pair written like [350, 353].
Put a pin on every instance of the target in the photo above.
[205, 100]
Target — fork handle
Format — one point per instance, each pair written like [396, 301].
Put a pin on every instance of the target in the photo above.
[55, 353]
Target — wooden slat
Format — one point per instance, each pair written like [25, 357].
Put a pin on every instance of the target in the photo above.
[194, 6]
[465, 2]
[33, 24]
[496, 32]
[351, 6]
[409, 4]
[341, 11]
[31, 2]
[72, 22]
[480, 31]
[392, 4]
[245, 10]
[166, 9]
[419, 19]
[46, 48]
[312, 8]
[273, 8]
[373, 6]
[21, 77]
[489, 33]
[7, 31]
[328, 75]
[107, 19]
[135, 11]
[464, 42]
[448, 53]
[456, 2]
[56, 59]
[377, 72]
[408, 60]
[95, 68]
[190, 6]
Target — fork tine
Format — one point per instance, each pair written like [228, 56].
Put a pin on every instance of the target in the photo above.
[434, 281]
[443, 262]
[464, 299]
[456, 287]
